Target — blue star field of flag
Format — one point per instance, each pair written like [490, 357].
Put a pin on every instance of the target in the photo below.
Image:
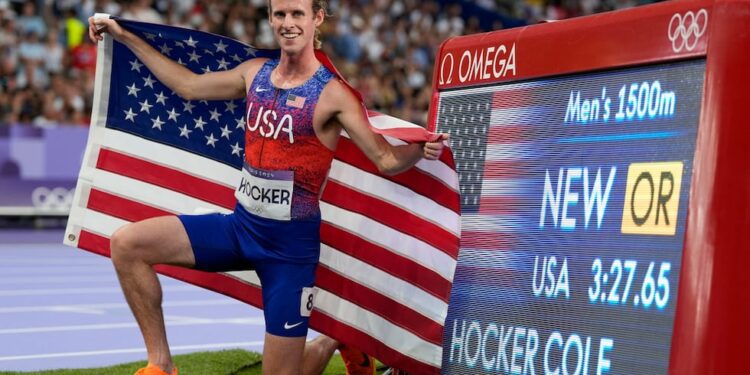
[466, 117]
[140, 104]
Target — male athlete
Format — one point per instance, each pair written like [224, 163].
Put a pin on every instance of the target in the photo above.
[295, 111]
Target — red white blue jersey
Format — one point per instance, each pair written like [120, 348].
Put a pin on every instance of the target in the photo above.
[280, 137]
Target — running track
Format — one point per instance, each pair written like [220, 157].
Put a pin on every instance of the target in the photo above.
[63, 308]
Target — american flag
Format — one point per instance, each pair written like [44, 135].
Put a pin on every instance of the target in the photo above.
[490, 137]
[389, 244]
[295, 101]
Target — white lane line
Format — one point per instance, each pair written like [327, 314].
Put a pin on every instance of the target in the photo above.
[32, 261]
[68, 270]
[103, 307]
[223, 345]
[178, 321]
[109, 276]
[67, 291]
[40, 246]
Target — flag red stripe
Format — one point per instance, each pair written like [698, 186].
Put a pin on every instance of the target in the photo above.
[506, 169]
[155, 174]
[217, 282]
[504, 134]
[363, 341]
[485, 241]
[413, 179]
[390, 215]
[502, 278]
[447, 158]
[385, 307]
[385, 260]
[500, 205]
[514, 98]
[123, 208]
[93, 242]
[405, 133]
[409, 135]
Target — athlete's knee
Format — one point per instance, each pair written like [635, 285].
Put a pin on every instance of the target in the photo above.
[123, 245]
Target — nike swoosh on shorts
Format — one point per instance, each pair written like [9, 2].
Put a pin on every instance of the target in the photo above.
[288, 326]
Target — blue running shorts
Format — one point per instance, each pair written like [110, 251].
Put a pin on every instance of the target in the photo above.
[283, 253]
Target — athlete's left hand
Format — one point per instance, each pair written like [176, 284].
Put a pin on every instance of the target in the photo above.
[432, 150]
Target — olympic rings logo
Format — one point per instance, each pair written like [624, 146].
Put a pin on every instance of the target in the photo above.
[684, 31]
[58, 198]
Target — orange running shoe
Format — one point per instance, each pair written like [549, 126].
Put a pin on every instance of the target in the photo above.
[356, 361]
[154, 370]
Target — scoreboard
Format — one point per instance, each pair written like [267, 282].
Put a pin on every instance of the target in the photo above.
[605, 193]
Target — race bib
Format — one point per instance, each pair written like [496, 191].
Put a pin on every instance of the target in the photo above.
[266, 193]
[308, 301]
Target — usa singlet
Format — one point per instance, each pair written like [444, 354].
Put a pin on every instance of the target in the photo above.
[285, 163]
[275, 227]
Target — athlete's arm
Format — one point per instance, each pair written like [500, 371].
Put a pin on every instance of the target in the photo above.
[188, 85]
[389, 159]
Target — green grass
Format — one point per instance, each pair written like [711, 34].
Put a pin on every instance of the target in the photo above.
[227, 362]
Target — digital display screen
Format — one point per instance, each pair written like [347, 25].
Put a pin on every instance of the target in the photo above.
[574, 196]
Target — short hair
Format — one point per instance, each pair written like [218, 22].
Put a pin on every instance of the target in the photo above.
[317, 6]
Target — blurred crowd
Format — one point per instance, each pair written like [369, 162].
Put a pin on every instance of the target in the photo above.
[385, 48]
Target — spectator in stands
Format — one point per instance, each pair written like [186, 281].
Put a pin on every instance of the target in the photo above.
[364, 35]
[141, 10]
[74, 28]
[55, 53]
[30, 21]
[26, 105]
[8, 45]
[83, 57]
[31, 55]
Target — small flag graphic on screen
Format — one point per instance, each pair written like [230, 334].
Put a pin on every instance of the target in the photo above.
[295, 101]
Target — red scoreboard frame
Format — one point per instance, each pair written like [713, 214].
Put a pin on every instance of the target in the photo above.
[712, 324]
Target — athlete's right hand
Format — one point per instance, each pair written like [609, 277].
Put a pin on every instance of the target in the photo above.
[97, 26]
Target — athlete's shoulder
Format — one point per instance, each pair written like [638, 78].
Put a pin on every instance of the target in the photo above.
[338, 94]
[251, 67]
